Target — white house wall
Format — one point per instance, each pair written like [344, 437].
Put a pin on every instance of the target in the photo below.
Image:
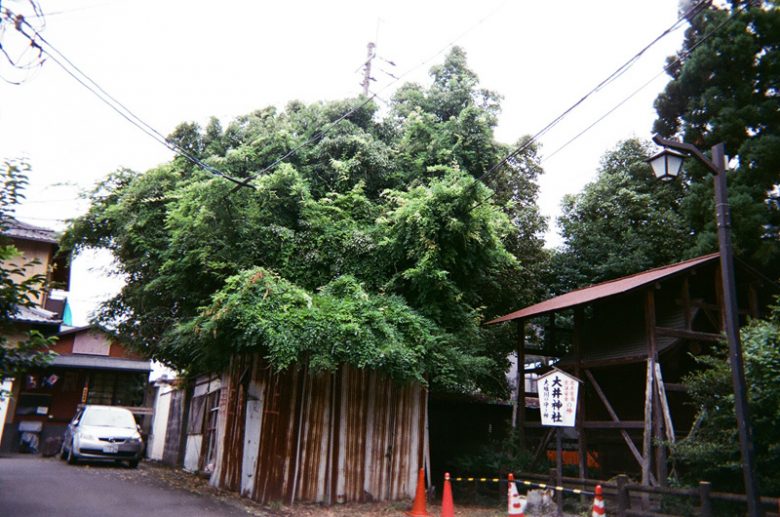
[162, 406]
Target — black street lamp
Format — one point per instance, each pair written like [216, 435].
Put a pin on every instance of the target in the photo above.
[666, 165]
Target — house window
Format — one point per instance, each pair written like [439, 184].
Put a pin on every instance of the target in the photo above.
[115, 389]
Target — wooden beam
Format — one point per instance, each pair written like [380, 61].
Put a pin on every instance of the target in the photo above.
[675, 386]
[611, 424]
[652, 353]
[686, 302]
[543, 443]
[659, 384]
[547, 352]
[598, 424]
[688, 334]
[714, 307]
[648, 427]
[613, 416]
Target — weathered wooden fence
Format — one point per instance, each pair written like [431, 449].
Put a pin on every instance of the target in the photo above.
[626, 498]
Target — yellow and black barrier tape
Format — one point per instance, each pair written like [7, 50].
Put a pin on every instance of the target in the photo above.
[543, 486]
[481, 480]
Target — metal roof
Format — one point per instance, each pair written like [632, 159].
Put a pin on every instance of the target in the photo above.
[605, 289]
[35, 315]
[101, 363]
[603, 344]
[19, 230]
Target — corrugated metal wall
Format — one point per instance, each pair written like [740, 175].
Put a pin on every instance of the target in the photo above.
[172, 448]
[353, 435]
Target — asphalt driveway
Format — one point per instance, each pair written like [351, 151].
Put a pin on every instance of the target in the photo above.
[31, 486]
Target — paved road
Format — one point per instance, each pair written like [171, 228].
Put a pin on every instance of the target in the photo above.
[32, 486]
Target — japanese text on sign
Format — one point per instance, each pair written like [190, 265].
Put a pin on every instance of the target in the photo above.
[558, 398]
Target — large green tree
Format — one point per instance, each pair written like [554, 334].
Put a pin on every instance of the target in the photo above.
[711, 451]
[623, 222]
[358, 232]
[725, 87]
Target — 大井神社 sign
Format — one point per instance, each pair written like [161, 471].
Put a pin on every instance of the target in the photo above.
[558, 398]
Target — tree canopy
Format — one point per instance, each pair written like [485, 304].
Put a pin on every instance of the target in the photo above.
[623, 222]
[724, 88]
[374, 246]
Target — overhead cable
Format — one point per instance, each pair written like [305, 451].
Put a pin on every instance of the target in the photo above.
[672, 64]
[694, 10]
[90, 84]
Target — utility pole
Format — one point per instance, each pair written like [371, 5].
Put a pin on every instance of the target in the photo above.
[367, 68]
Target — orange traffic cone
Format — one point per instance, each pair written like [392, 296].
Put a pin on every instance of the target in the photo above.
[447, 506]
[515, 502]
[418, 507]
[598, 504]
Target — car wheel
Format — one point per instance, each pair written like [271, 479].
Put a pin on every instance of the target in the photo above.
[133, 464]
[72, 458]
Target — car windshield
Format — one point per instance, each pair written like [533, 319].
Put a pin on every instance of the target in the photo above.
[108, 417]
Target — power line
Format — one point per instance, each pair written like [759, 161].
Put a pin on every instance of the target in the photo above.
[90, 84]
[322, 132]
[672, 64]
[610, 78]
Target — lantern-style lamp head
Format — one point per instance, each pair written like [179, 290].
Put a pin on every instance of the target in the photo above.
[666, 164]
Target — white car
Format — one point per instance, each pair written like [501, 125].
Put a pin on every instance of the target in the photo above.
[103, 433]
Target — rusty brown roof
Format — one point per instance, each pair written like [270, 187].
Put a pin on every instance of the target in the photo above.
[605, 289]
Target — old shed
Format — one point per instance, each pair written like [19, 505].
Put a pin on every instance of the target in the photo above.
[632, 340]
[294, 435]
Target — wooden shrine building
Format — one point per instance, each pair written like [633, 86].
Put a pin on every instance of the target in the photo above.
[632, 342]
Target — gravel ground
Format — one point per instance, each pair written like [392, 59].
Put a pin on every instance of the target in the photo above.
[181, 479]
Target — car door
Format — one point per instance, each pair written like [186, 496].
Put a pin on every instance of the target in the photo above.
[72, 428]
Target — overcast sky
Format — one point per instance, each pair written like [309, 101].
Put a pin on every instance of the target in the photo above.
[175, 60]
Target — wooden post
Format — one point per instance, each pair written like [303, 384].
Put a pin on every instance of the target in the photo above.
[652, 423]
[520, 399]
[624, 502]
[559, 467]
[552, 475]
[667, 414]
[658, 434]
[686, 303]
[582, 443]
[704, 497]
[753, 306]
[646, 443]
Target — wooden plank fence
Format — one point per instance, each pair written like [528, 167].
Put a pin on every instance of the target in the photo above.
[625, 495]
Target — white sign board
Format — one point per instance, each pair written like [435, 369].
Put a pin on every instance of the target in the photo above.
[558, 398]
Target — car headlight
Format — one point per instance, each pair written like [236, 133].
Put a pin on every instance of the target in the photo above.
[86, 436]
[136, 439]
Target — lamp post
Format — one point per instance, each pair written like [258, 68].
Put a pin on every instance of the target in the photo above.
[667, 165]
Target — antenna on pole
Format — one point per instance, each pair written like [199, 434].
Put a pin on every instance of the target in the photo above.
[367, 68]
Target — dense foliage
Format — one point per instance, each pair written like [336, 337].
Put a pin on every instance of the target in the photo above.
[623, 222]
[16, 288]
[712, 450]
[726, 88]
[374, 246]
